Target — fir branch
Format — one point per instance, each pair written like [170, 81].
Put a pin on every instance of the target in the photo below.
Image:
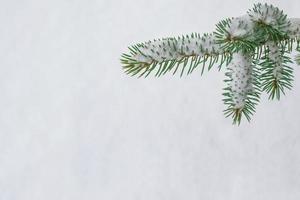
[276, 74]
[236, 35]
[242, 92]
[270, 22]
[164, 55]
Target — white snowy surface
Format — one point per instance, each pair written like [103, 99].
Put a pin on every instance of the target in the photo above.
[73, 126]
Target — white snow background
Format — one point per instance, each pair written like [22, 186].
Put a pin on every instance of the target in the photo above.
[73, 126]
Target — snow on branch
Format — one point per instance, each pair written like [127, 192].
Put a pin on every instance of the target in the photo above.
[254, 48]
